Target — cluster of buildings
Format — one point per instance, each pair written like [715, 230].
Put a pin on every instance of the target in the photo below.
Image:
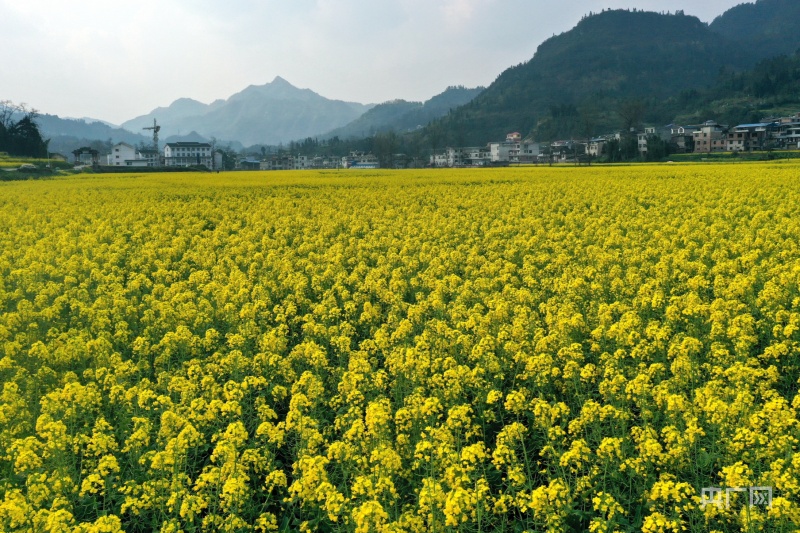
[513, 150]
[781, 133]
[775, 132]
[179, 154]
[303, 162]
[770, 133]
[186, 154]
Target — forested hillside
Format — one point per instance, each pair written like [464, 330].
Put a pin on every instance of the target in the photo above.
[402, 116]
[768, 26]
[664, 65]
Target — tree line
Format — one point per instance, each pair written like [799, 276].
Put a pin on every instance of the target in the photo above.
[19, 132]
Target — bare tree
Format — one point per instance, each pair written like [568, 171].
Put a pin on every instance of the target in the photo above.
[7, 111]
[631, 112]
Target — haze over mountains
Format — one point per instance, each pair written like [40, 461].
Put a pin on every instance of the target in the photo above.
[274, 113]
[402, 116]
[574, 83]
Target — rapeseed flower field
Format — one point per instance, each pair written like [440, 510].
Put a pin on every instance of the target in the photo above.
[532, 349]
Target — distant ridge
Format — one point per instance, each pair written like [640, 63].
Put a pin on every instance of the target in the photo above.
[402, 116]
[277, 112]
[68, 134]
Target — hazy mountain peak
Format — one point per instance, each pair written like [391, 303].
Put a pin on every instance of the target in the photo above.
[187, 105]
[280, 81]
[270, 113]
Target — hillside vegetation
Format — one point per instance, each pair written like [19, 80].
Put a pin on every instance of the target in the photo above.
[400, 116]
[770, 26]
[578, 83]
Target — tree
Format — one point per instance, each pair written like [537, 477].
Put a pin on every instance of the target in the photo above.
[102, 147]
[385, 144]
[229, 157]
[631, 113]
[625, 148]
[21, 136]
[657, 148]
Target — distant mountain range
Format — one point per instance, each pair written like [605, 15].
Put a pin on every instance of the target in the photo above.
[270, 114]
[402, 116]
[68, 134]
[575, 83]
[277, 112]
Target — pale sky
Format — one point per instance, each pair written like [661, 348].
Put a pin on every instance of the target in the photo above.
[117, 60]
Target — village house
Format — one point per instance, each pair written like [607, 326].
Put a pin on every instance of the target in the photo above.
[360, 160]
[529, 152]
[150, 156]
[748, 137]
[682, 138]
[124, 155]
[787, 134]
[509, 151]
[501, 151]
[641, 139]
[710, 137]
[186, 154]
[249, 164]
[439, 160]
[472, 156]
[566, 150]
[301, 162]
[120, 153]
[594, 147]
[278, 162]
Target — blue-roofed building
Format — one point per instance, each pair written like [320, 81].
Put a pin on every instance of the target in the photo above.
[249, 164]
[749, 137]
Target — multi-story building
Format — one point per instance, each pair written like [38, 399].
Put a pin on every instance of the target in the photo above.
[439, 160]
[124, 155]
[360, 160]
[120, 153]
[641, 139]
[529, 152]
[186, 154]
[514, 150]
[710, 137]
[787, 134]
[150, 156]
[748, 137]
[301, 162]
[595, 146]
[278, 162]
[681, 138]
[501, 152]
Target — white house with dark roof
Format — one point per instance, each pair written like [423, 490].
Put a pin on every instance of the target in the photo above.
[124, 155]
[186, 154]
[120, 153]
